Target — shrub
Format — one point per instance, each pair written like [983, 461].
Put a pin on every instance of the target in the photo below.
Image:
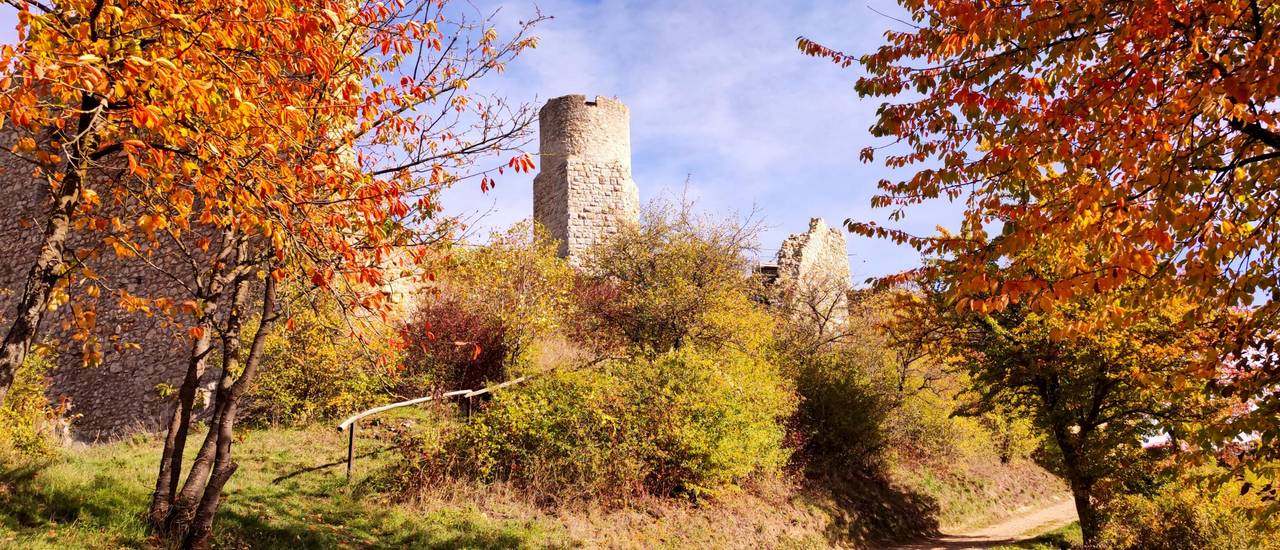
[686, 422]
[27, 418]
[1174, 518]
[320, 366]
[1015, 437]
[493, 304]
[841, 417]
[867, 395]
[450, 345]
[675, 279]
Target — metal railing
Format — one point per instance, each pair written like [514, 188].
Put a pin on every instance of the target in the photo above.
[349, 425]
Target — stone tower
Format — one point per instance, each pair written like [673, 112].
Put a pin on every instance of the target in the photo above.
[584, 190]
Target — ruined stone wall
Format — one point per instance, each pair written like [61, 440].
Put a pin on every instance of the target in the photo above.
[119, 395]
[813, 274]
[584, 191]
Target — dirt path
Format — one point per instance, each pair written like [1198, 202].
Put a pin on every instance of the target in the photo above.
[1018, 528]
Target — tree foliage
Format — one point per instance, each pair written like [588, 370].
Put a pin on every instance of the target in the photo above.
[1145, 133]
[688, 422]
[1096, 396]
[491, 306]
[323, 365]
[235, 146]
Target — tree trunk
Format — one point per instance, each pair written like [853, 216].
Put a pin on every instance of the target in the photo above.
[202, 525]
[1080, 481]
[1082, 493]
[183, 511]
[199, 526]
[48, 269]
[184, 506]
[161, 513]
[175, 441]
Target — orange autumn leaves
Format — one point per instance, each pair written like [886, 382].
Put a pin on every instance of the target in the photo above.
[1145, 134]
[1123, 155]
[311, 125]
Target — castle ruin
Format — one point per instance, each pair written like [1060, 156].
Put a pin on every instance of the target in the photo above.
[583, 193]
[584, 189]
[813, 275]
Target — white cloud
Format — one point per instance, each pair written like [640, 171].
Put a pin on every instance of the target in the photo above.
[719, 93]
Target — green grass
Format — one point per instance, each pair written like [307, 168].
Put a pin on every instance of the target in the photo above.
[1058, 539]
[93, 498]
[290, 492]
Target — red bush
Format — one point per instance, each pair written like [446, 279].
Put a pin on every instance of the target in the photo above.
[449, 347]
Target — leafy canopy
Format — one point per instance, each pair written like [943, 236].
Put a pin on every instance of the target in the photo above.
[1145, 133]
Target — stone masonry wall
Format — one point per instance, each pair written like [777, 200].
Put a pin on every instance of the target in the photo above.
[119, 395]
[584, 191]
[813, 274]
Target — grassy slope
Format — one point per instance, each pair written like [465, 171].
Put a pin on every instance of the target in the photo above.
[1058, 539]
[92, 498]
[977, 490]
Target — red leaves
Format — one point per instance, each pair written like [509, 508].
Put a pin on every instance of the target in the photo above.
[522, 163]
[322, 277]
[815, 49]
[1101, 145]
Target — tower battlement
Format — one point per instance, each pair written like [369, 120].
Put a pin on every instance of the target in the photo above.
[583, 191]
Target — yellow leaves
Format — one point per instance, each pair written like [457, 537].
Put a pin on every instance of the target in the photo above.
[58, 297]
[164, 62]
[89, 58]
[90, 197]
[153, 222]
[134, 304]
[146, 117]
[121, 249]
[332, 17]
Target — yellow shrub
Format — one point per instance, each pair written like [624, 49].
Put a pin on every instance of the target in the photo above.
[27, 419]
[686, 422]
[318, 367]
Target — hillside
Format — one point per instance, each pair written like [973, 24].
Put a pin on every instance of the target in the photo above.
[291, 493]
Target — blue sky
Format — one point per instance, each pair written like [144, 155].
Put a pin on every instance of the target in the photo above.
[719, 96]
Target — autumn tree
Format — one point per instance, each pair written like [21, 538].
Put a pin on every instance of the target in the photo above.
[233, 147]
[1146, 132]
[83, 93]
[1097, 395]
[370, 211]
